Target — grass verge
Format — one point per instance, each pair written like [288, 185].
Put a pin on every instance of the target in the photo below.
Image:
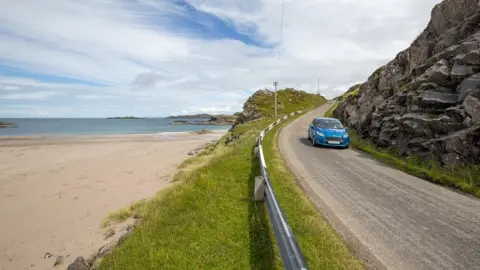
[210, 221]
[322, 246]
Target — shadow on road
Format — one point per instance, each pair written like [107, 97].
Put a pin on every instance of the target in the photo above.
[307, 142]
[261, 245]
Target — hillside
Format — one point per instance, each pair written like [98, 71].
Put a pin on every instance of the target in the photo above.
[261, 104]
[208, 220]
[426, 102]
[191, 116]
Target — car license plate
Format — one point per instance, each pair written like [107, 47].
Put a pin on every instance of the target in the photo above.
[333, 142]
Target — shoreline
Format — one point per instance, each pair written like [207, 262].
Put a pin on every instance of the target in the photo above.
[55, 192]
[110, 135]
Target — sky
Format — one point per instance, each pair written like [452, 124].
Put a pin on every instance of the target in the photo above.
[149, 58]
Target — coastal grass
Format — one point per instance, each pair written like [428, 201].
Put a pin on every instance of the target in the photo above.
[210, 221]
[137, 209]
[466, 179]
[289, 100]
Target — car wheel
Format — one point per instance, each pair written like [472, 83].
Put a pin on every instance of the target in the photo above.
[313, 142]
[308, 135]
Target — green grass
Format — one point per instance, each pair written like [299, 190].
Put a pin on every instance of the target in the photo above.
[136, 209]
[354, 93]
[329, 113]
[322, 247]
[464, 179]
[288, 100]
[210, 221]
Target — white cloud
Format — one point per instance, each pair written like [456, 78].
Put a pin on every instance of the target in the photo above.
[152, 67]
[93, 97]
[28, 96]
[214, 110]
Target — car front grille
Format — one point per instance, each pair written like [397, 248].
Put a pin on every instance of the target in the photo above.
[335, 139]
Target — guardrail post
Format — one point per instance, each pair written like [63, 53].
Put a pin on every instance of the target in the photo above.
[259, 192]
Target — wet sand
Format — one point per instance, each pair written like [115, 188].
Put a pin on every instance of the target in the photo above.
[55, 192]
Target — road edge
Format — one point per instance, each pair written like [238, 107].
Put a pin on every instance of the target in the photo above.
[353, 243]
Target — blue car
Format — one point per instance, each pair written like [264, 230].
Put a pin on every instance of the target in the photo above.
[328, 132]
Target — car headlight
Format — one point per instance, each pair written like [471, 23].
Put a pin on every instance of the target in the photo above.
[320, 134]
[345, 136]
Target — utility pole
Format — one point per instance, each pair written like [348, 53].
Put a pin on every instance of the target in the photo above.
[275, 88]
[318, 86]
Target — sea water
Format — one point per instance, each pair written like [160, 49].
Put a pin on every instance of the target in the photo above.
[97, 126]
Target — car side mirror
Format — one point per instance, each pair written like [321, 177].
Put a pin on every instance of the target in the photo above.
[346, 129]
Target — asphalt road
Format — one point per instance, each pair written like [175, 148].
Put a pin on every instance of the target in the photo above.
[389, 218]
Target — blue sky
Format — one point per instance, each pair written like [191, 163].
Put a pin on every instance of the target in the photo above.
[65, 58]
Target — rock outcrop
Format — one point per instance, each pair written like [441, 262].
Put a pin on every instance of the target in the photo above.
[426, 101]
[251, 111]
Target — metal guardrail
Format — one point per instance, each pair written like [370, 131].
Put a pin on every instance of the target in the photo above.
[290, 252]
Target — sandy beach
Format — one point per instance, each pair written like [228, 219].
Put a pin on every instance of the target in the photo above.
[55, 192]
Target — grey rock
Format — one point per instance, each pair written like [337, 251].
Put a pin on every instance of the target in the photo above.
[386, 136]
[432, 99]
[109, 234]
[460, 72]
[432, 86]
[58, 261]
[78, 264]
[426, 101]
[402, 99]
[451, 160]
[471, 58]
[439, 74]
[472, 108]
[468, 122]
[190, 153]
[467, 86]
[456, 113]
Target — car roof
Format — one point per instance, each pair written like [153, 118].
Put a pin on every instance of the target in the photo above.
[325, 118]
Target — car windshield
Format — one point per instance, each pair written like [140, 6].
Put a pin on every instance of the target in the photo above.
[329, 123]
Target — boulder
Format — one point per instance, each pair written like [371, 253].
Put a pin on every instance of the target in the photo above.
[456, 113]
[432, 86]
[438, 100]
[402, 98]
[460, 72]
[471, 84]
[471, 58]
[472, 108]
[438, 73]
[78, 264]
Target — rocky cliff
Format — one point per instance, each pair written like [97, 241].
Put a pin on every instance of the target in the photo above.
[426, 101]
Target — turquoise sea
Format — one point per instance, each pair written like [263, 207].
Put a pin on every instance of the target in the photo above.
[96, 126]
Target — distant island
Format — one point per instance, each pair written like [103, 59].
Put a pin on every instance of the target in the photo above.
[213, 120]
[126, 117]
[7, 125]
[202, 116]
[191, 116]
